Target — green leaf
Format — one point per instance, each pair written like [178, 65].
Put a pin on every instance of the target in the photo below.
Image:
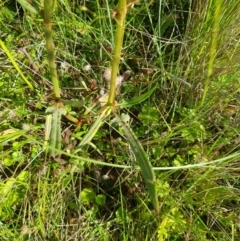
[94, 128]
[55, 135]
[194, 132]
[149, 115]
[137, 99]
[121, 215]
[100, 199]
[10, 135]
[13, 190]
[27, 6]
[8, 161]
[87, 195]
[166, 21]
[143, 162]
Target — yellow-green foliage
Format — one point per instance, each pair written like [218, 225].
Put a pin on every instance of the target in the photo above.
[173, 222]
[11, 193]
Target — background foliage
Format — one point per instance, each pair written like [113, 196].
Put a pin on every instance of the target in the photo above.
[182, 127]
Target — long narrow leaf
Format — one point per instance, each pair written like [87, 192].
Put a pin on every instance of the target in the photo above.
[48, 127]
[144, 163]
[137, 99]
[94, 128]
[26, 5]
[55, 136]
[10, 135]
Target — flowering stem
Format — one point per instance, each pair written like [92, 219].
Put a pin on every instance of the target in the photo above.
[48, 5]
[120, 16]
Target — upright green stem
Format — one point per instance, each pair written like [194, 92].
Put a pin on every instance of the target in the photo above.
[120, 17]
[48, 5]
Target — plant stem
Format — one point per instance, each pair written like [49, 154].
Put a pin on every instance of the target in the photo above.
[48, 5]
[120, 26]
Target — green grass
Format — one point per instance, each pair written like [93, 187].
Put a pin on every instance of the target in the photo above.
[190, 134]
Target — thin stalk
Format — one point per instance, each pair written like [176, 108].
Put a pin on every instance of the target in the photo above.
[120, 16]
[48, 5]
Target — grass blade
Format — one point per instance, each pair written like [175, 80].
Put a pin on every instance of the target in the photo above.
[94, 128]
[10, 135]
[3, 46]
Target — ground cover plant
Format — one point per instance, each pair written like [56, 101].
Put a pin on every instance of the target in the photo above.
[119, 129]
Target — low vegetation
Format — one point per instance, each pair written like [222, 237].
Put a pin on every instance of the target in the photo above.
[115, 128]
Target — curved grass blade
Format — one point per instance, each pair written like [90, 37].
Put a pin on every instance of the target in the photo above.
[137, 99]
[144, 163]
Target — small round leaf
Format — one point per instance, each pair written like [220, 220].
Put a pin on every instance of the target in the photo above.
[100, 199]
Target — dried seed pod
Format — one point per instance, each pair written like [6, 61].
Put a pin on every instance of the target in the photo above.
[147, 71]
[93, 85]
[107, 74]
[87, 68]
[126, 75]
[119, 79]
